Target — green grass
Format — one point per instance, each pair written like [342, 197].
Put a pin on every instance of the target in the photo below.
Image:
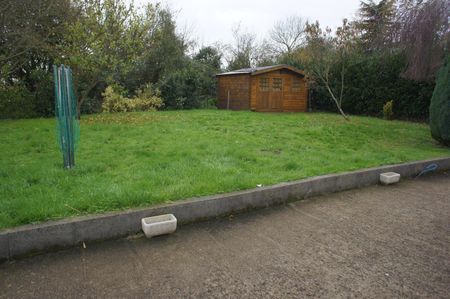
[140, 159]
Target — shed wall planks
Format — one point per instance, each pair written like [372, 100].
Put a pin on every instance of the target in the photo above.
[246, 92]
[237, 89]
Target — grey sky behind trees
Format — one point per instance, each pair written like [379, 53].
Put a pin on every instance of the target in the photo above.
[210, 21]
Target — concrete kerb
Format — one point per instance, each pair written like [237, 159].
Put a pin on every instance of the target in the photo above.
[69, 232]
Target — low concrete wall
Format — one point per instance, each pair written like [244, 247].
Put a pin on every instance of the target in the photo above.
[69, 232]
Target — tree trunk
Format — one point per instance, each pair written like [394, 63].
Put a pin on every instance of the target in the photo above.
[336, 102]
[323, 76]
[79, 103]
[83, 96]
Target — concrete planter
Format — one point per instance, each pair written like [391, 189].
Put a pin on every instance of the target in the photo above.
[388, 178]
[159, 225]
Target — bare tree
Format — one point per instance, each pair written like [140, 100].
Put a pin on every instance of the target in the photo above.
[265, 53]
[185, 30]
[288, 34]
[243, 53]
[424, 33]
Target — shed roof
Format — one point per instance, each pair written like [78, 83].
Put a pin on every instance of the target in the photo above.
[262, 69]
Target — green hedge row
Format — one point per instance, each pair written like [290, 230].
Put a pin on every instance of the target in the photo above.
[375, 80]
[25, 101]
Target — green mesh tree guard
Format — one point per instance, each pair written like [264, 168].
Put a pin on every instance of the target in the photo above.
[68, 130]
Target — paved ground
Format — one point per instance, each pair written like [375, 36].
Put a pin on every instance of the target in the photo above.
[377, 242]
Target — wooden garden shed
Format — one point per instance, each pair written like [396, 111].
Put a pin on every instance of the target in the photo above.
[273, 88]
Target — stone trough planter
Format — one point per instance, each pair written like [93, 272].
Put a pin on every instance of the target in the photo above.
[388, 178]
[159, 225]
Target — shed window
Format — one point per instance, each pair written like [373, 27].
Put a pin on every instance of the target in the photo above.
[276, 84]
[296, 84]
[264, 84]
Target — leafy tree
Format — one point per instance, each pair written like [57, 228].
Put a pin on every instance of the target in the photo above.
[102, 45]
[440, 106]
[325, 52]
[376, 23]
[209, 56]
[29, 33]
[164, 49]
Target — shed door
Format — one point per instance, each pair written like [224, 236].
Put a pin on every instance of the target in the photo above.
[276, 94]
[270, 94]
[263, 102]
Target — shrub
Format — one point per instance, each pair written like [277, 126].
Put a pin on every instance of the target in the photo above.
[440, 106]
[188, 87]
[44, 93]
[180, 103]
[210, 103]
[113, 101]
[387, 110]
[30, 96]
[146, 99]
[16, 101]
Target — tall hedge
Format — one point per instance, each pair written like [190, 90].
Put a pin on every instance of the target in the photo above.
[29, 98]
[371, 81]
[16, 101]
[440, 105]
[189, 87]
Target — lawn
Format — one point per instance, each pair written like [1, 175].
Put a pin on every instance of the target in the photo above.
[139, 159]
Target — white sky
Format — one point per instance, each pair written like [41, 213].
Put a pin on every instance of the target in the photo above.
[212, 20]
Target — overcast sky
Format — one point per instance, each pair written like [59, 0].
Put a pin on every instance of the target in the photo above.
[212, 20]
